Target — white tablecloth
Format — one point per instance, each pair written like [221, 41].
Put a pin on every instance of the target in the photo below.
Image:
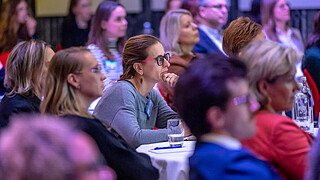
[172, 163]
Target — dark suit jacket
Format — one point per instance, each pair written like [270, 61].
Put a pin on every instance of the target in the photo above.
[312, 63]
[125, 161]
[211, 161]
[205, 45]
[17, 104]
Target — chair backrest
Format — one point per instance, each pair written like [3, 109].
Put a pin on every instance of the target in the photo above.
[314, 91]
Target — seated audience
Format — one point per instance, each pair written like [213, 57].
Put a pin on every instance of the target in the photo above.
[76, 26]
[24, 79]
[240, 33]
[107, 37]
[131, 106]
[271, 77]
[47, 148]
[17, 24]
[78, 81]
[312, 53]
[178, 35]
[214, 99]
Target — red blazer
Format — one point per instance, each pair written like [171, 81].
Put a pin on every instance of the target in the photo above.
[281, 142]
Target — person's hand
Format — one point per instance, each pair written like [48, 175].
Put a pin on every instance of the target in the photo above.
[31, 24]
[170, 78]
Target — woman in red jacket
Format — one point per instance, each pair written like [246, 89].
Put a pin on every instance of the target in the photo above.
[271, 77]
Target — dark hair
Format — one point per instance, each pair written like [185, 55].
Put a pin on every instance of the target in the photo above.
[96, 37]
[315, 35]
[135, 50]
[202, 86]
[238, 34]
[73, 3]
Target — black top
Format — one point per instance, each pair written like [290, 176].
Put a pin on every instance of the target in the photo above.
[127, 163]
[17, 104]
[2, 88]
[72, 35]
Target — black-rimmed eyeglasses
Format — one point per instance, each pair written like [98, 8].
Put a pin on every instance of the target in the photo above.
[160, 59]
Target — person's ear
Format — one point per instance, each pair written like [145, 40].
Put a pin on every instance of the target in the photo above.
[73, 80]
[138, 68]
[104, 24]
[215, 118]
[263, 87]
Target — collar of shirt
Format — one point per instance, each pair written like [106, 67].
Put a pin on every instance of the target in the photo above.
[214, 35]
[222, 140]
[286, 40]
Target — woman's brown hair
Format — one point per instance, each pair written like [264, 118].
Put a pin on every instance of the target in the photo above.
[135, 50]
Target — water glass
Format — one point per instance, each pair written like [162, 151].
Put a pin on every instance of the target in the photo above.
[175, 132]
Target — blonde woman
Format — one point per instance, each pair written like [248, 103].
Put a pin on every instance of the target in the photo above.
[78, 81]
[24, 79]
[179, 35]
[278, 139]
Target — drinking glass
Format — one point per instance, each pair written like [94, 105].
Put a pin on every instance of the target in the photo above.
[175, 132]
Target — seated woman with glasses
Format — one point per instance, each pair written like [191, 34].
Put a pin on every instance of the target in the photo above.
[78, 81]
[278, 139]
[131, 106]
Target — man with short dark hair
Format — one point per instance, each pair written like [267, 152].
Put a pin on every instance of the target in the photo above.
[213, 98]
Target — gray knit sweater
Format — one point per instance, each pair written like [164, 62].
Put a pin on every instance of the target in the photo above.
[124, 109]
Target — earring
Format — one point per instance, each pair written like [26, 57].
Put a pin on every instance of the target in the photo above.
[78, 87]
[141, 80]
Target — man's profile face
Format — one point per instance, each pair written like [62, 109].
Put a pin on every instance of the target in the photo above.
[215, 12]
[239, 121]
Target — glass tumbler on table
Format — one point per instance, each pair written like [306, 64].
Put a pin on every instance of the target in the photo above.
[176, 132]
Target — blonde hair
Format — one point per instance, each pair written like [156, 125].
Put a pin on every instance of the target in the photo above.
[24, 63]
[170, 30]
[267, 60]
[59, 97]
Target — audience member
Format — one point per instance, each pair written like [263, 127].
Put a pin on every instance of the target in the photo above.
[76, 26]
[131, 106]
[239, 33]
[214, 99]
[255, 14]
[17, 24]
[312, 53]
[24, 79]
[178, 35]
[78, 81]
[173, 5]
[107, 38]
[47, 148]
[212, 15]
[271, 77]
[275, 18]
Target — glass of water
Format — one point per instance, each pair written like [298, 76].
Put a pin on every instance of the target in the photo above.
[175, 132]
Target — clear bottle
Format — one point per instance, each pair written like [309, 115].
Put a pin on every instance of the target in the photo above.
[302, 107]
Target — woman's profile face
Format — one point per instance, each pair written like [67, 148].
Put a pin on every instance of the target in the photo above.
[116, 26]
[83, 10]
[282, 92]
[22, 12]
[189, 34]
[91, 78]
[151, 70]
[282, 11]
